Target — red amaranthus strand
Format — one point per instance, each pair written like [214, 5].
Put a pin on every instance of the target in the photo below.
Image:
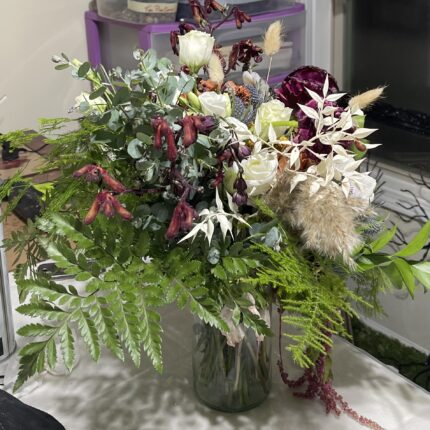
[318, 386]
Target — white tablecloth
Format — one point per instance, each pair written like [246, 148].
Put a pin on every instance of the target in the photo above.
[111, 395]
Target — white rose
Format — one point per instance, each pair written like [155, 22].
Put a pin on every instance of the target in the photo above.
[259, 172]
[195, 49]
[86, 105]
[268, 113]
[215, 104]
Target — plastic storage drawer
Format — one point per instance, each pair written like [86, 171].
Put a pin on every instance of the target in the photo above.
[116, 42]
[138, 11]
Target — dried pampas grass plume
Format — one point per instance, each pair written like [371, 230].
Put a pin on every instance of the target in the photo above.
[364, 100]
[326, 220]
[215, 70]
[273, 39]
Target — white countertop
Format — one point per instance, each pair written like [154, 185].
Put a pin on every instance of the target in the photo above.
[111, 395]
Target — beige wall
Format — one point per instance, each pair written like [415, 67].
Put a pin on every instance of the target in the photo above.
[31, 31]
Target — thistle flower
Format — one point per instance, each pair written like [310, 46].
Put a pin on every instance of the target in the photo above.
[364, 100]
[215, 70]
[273, 39]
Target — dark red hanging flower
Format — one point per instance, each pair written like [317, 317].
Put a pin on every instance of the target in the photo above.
[93, 173]
[189, 131]
[163, 129]
[182, 219]
[240, 17]
[293, 89]
[211, 5]
[107, 204]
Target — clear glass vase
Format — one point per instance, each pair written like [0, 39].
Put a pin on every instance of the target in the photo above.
[231, 378]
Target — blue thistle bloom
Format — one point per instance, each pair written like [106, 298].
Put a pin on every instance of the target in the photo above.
[238, 108]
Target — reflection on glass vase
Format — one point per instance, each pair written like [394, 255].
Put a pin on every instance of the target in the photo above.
[231, 378]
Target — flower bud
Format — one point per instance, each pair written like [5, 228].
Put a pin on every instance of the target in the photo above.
[240, 185]
[240, 199]
[194, 101]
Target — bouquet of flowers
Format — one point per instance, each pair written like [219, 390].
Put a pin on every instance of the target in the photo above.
[181, 185]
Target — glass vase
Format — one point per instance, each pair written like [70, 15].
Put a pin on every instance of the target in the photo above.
[231, 378]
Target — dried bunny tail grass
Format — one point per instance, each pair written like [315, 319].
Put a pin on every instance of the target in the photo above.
[215, 70]
[364, 100]
[326, 220]
[273, 39]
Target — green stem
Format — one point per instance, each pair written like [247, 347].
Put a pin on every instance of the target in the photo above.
[292, 124]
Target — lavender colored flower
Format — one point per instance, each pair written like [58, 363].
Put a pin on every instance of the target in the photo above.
[293, 89]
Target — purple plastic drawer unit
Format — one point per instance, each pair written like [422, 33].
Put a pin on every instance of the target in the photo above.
[111, 42]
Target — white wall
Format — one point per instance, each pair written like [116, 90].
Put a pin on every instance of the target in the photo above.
[30, 33]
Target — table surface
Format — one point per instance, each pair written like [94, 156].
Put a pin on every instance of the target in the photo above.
[115, 396]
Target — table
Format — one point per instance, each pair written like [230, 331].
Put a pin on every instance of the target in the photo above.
[111, 395]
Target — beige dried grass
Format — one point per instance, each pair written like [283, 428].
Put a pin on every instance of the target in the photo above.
[364, 100]
[273, 39]
[326, 220]
[215, 70]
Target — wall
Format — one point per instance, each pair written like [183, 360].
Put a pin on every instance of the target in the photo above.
[30, 33]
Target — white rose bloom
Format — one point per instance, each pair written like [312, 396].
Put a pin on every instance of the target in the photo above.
[259, 172]
[88, 106]
[268, 113]
[195, 49]
[215, 104]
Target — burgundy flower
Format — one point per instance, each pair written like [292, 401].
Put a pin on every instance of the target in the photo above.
[211, 5]
[93, 173]
[293, 89]
[189, 131]
[204, 124]
[162, 129]
[240, 17]
[107, 204]
[240, 197]
[182, 219]
[218, 178]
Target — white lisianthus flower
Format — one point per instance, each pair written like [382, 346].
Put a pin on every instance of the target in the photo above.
[251, 78]
[259, 172]
[88, 106]
[268, 113]
[360, 186]
[215, 104]
[241, 130]
[195, 49]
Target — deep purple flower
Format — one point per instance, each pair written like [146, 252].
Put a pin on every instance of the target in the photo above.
[293, 89]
